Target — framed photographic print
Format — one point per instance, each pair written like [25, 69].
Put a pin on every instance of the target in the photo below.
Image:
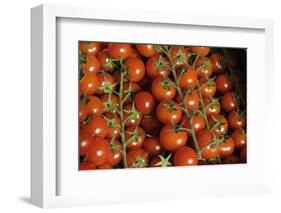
[138, 106]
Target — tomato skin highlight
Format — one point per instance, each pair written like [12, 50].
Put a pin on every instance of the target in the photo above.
[91, 66]
[89, 48]
[185, 156]
[218, 62]
[236, 121]
[188, 79]
[94, 105]
[144, 102]
[239, 138]
[152, 146]
[89, 84]
[228, 102]
[118, 51]
[85, 141]
[226, 148]
[223, 84]
[146, 50]
[136, 69]
[99, 151]
[97, 126]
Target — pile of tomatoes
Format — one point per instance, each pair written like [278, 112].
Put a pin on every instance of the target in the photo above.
[144, 105]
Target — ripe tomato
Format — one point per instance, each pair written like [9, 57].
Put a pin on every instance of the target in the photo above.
[89, 84]
[105, 166]
[163, 89]
[137, 158]
[144, 102]
[239, 137]
[85, 141]
[118, 51]
[151, 124]
[83, 113]
[200, 50]
[243, 154]
[134, 87]
[204, 138]
[192, 101]
[223, 84]
[179, 56]
[208, 88]
[105, 61]
[87, 166]
[114, 126]
[226, 147]
[171, 139]
[218, 124]
[115, 155]
[99, 151]
[152, 146]
[218, 62]
[92, 65]
[97, 126]
[94, 105]
[133, 120]
[110, 103]
[198, 123]
[228, 102]
[89, 48]
[168, 112]
[157, 66]
[231, 160]
[105, 83]
[212, 106]
[203, 67]
[135, 54]
[188, 79]
[185, 156]
[236, 120]
[136, 69]
[146, 50]
[136, 136]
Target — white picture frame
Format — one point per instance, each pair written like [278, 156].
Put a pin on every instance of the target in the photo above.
[49, 185]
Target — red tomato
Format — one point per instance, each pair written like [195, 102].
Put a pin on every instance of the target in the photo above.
[152, 146]
[136, 136]
[218, 62]
[134, 87]
[151, 124]
[200, 50]
[97, 126]
[133, 120]
[110, 103]
[204, 138]
[236, 120]
[92, 65]
[137, 158]
[83, 113]
[114, 126]
[163, 89]
[188, 79]
[226, 148]
[228, 102]
[212, 106]
[157, 66]
[115, 155]
[85, 141]
[146, 50]
[144, 102]
[105, 166]
[99, 151]
[105, 83]
[239, 137]
[208, 88]
[171, 140]
[89, 84]
[218, 124]
[185, 156]
[135, 54]
[105, 61]
[223, 84]
[136, 69]
[192, 101]
[118, 51]
[94, 105]
[203, 67]
[168, 112]
[87, 166]
[89, 48]
[179, 56]
[198, 123]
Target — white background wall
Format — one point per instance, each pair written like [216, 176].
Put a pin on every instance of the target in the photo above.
[15, 103]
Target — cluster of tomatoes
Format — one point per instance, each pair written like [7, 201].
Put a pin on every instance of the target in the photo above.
[144, 105]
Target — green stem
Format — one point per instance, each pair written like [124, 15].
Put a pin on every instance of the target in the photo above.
[202, 105]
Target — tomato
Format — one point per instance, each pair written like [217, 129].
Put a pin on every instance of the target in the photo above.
[89, 48]
[228, 102]
[203, 67]
[208, 88]
[200, 50]
[134, 87]
[146, 50]
[192, 101]
[188, 79]
[157, 66]
[135, 54]
[223, 84]
[152, 146]
[198, 123]
[163, 89]
[114, 126]
[179, 56]
[204, 139]
[212, 106]
[151, 124]
[243, 154]
[85, 141]
[105, 61]
[83, 113]
[92, 65]
[134, 119]
[236, 120]
[136, 136]
[231, 160]
[137, 158]
[97, 126]
[118, 51]
[185, 156]
[226, 147]
[110, 103]
[218, 62]
[135, 68]
[171, 139]
[99, 151]
[94, 105]
[89, 84]
[87, 166]
[105, 166]
[218, 124]
[105, 83]
[239, 137]
[168, 112]
[155, 162]
[115, 155]
[144, 102]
